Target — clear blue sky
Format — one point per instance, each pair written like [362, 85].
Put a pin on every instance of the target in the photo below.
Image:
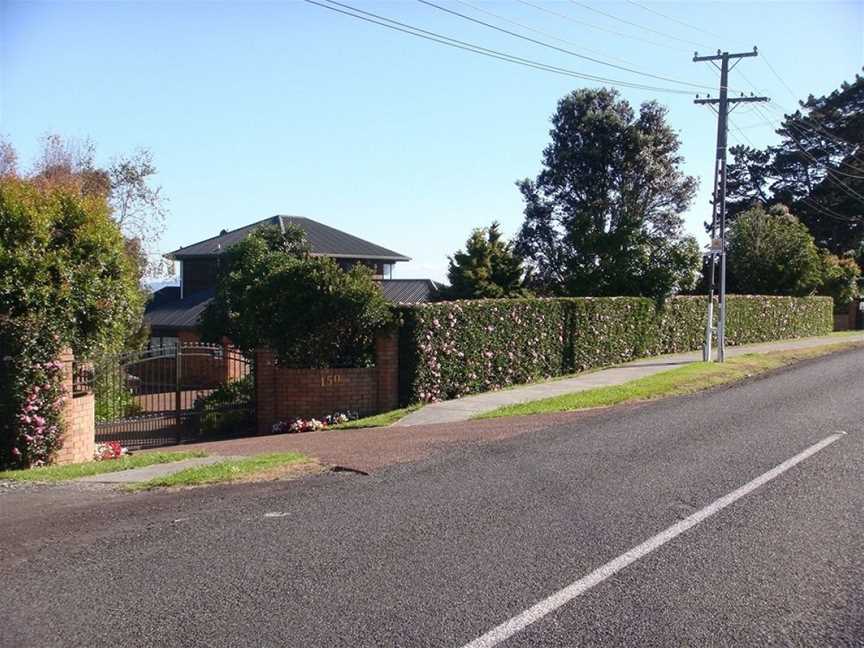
[255, 109]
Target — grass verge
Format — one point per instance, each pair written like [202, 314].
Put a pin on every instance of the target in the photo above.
[74, 471]
[378, 420]
[675, 382]
[263, 466]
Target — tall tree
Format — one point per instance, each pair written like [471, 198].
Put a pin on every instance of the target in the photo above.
[603, 216]
[8, 159]
[138, 207]
[487, 268]
[817, 169]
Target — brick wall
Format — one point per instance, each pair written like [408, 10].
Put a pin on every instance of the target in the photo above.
[79, 420]
[283, 394]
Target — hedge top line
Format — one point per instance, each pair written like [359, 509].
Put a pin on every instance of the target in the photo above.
[534, 300]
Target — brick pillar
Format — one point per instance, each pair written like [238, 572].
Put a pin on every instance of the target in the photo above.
[265, 385]
[387, 368]
[79, 421]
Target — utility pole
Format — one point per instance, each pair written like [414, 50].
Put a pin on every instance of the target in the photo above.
[724, 105]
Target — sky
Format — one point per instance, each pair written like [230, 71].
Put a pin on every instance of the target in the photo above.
[253, 109]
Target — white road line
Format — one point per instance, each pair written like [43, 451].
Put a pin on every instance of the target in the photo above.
[548, 605]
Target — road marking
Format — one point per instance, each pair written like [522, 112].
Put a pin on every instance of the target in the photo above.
[276, 514]
[548, 605]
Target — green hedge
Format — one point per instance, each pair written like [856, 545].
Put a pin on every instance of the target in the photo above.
[451, 349]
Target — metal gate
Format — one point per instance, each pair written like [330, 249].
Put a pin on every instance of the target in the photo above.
[172, 394]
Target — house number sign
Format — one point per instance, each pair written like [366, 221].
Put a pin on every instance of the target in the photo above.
[329, 380]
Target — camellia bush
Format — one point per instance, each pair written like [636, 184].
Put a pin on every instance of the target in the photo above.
[451, 349]
[66, 280]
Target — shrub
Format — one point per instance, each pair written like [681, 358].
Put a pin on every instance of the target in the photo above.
[772, 253]
[31, 393]
[66, 279]
[452, 349]
[226, 408]
[840, 276]
[272, 293]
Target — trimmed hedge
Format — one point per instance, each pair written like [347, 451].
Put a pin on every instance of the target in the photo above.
[450, 349]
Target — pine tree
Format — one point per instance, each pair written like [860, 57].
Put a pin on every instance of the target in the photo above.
[487, 268]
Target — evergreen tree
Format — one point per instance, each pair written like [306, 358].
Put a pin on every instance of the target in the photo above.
[603, 216]
[817, 169]
[487, 268]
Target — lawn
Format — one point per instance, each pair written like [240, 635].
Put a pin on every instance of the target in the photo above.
[675, 382]
[378, 420]
[271, 465]
[74, 471]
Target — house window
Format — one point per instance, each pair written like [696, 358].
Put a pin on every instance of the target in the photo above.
[160, 341]
[387, 270]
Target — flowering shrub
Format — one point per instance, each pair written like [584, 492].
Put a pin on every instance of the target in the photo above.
[313, 424]
[31, 394]
[67, 278]
[38, 430]
[451, 349]
[109, 450]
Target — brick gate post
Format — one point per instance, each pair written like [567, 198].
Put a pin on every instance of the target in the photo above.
[387, 368]
[265, 390]
[79, 421]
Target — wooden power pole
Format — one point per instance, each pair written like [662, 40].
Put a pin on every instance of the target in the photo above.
[723, 105]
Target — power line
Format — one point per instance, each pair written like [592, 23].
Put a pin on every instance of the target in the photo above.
[830, 213]
[592, 26]
[790, 122]
[805, 121]
[803, 133]
[788, 127]
[560, 49]
[541, 32]
[483, 51]
[680, 22]
[812, 203]
[780, 79]
[742, 133]
[633, 24]
[785, 114]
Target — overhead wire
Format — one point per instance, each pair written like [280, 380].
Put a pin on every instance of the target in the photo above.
[541, 32]
[676, 20]
[561, 49]
[791, 127]
[395, 25]
[598, 27]
[638, 25]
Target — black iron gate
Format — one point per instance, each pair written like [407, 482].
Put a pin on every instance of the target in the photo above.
[173, 394]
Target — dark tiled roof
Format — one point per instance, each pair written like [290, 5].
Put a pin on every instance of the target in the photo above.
[323, 239]
[167, 310]
[408, 291]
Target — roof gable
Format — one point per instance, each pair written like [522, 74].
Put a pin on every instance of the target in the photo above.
[323, 240]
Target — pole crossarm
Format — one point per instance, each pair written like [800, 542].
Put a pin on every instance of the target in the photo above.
[720, 55]
[732, 100]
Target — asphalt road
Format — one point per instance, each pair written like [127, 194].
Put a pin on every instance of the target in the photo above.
[441, 551]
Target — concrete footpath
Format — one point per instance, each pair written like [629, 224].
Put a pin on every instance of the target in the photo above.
[463, 409]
